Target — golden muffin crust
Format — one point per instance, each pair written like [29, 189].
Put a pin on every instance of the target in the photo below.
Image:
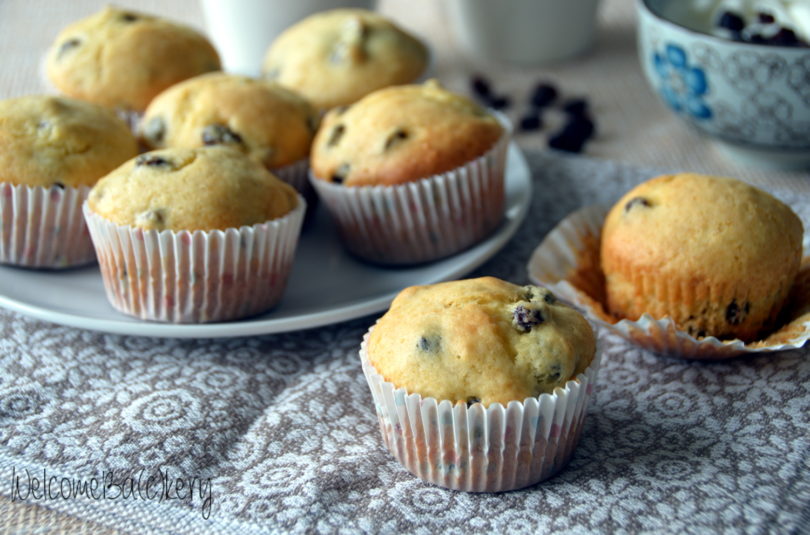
[715, 254]
[480, 340]
[401, 134]
[191, 189]
[336, 57]
[47, 140]
[266, 121]
[122, 58]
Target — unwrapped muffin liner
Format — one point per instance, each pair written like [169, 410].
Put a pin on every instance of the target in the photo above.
[423, 220]
[195, 276]
[43, 227]
[476, 448]
[295, 174]
[567, 263]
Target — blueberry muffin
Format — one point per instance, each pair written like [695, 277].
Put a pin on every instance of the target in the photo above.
[336, 57]
[194, 235]
[480, 385]
[51, 150]
[269, 123]
[716, 255]
[481, 340]
[411, 173]
[122, 58]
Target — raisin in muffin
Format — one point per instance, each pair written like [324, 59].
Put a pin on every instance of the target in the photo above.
[51, 150]
[336, 57]
[194, 235]
[411, 173]
[122, 58]
[716, 255]
[481, 340]
[266, 121]
[480, 385]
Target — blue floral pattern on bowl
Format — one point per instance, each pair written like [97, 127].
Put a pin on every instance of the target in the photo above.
[683, 85]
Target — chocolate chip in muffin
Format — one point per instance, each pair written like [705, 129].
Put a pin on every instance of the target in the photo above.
[334, 137]
[543, 95]
[736, 314]
[219, 134]
[394, 138]
[151, 218]
[550, 298]
[154, 130]
[731, 21]
[429, 344]
[152, 160]
[531, 121]
[341, 173]
[473, 400]
[129, 17]
[524, 318]
[70, 44]
[637, 201]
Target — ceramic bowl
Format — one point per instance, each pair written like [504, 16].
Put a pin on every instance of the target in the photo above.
[753, 99]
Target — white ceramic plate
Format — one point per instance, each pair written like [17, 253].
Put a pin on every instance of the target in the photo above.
[327, 285]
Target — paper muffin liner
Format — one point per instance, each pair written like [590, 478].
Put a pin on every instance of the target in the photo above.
[195, 276]
[567, 263]
[295, 174]
[43, 227]
[476, 448]
[423, 220]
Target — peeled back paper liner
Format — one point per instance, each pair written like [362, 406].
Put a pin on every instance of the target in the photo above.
[476, 448]
[567, 263]
[195, 276]
[423, 220]
[43, 227]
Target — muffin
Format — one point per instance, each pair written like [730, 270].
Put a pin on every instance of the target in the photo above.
[122, 58]
[480, 384]
[335, 58]
[714, 254]
[269, 123]
[52, 149]
[194, 235]
[411, 173]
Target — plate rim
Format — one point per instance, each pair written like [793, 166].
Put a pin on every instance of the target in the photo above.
[333, 315]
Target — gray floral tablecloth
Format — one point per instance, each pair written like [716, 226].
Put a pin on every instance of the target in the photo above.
[278, 433]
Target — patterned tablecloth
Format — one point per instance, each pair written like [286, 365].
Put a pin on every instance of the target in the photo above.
[262, 434]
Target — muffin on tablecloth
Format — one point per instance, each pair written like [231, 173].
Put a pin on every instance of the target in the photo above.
[335, 58]
[121, 58]
[194, 235]
[411, 173]
[480, 384]
[266, 121]
[715, 254]
[52, 150]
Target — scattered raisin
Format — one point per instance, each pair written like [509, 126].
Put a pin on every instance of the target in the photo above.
[480, 87]
[785, 37]
[736, 314]
[472, 400]
[731, 21]
[637, 201]
[765, 18]
[543, 95]
[58, 185]
[395, 138]
[152, 160]
[341, 173]
[531, 121]
[429, 344]
[68, 45]
[129, 17]
[336, 135]
[524, 318]
[500, 102]
[216, 134]
[576, 106]
[550, 298]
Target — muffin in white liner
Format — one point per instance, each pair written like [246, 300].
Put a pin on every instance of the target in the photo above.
[43, 227]
[197, 276]
[567, 262]
[423, 220]
[479, 448]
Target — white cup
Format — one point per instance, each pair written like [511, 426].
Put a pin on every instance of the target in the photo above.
[242, 30]
[523, 31]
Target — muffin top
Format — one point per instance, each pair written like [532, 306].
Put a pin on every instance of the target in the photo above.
[122, 59]
[56, 141]
[714, 229]
[204, 188]
[269, 123]
[336, 57]
[401, 134]
[480, 340]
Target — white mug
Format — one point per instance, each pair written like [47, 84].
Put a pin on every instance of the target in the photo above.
[242, 30]
[523, 31]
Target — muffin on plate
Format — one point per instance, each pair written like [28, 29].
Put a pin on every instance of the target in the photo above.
[715, 254]
[336, 57]
[121, 58]
[266, 121]
[194, 235]
[411, 173]
[450, 362]
[52, 150]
